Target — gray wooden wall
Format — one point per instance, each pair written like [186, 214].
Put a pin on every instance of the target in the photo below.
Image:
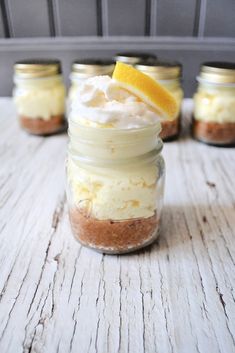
[191, 31]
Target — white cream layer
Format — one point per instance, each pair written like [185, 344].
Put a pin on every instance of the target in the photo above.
[100, 102]
[40, 98]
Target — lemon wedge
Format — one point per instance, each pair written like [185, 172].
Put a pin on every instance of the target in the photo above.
[147, 89]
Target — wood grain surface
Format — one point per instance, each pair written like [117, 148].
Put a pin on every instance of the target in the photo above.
[56, 296]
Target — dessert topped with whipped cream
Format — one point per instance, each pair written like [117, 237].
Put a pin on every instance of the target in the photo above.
[214, 112]
[39, 95]
[115, 170]
[101, 102]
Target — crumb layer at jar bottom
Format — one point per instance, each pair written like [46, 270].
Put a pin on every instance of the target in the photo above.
[39, 126]
[220, 134]
[170, 129]
[113, 237]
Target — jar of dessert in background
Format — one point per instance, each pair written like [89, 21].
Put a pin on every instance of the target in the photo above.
[169, 75]
[115, 171]
[214, 112]
[85, 68]
[39, 96]
[132, 58]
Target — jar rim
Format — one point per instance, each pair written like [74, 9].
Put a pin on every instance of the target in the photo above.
[106, 163]
[218, 72]
[19, 78]
[154, 128]
[165, 70]
[112, 143]
[214, 83]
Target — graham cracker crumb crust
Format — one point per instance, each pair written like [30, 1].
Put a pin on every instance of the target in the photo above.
[41, 126]
[112, 235]
[170, 128]
[212, 132]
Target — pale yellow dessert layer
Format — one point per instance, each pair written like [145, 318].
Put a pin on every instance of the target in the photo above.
[215, 105]
[116, 194]
[40, 99]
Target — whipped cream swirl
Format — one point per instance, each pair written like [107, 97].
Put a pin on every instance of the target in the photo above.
[101, 102]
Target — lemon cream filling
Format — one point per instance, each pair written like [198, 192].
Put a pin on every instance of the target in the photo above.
[215, 105]
[118, 195]
[40, 98]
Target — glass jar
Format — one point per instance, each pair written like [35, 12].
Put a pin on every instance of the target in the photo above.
[115, 185]
[39, 96]
[214, 112]
[168, 74]
[132, 58]
[83, 69]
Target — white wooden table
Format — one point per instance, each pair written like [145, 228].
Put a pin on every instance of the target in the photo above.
[56, 296]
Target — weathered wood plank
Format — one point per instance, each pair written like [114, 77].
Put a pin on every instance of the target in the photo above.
[2, 34]
[29, 19]
[75, 18]
[126, 17]
[175, 18]
[190, 52]
[59, 297]
[220, 18]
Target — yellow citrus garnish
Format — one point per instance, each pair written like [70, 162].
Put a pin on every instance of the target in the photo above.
[147, 89]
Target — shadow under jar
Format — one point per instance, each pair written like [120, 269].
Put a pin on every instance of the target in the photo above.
[39, 96]
[214, 104]
[168, 74]
[115, 185]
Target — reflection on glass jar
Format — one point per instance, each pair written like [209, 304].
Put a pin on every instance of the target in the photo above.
[115, 186]
[85, 68]
[39, 95]
[168, 74]
[214, 112]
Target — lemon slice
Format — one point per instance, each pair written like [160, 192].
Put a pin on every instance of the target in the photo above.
[147, 89]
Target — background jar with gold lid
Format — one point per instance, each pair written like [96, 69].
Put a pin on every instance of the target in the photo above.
[132, 58]
[168, 74]
[214, 112]
[86, 68]
[39, 95]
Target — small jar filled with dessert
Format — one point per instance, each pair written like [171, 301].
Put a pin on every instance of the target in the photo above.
[169, 75]
[39, 96]
[132, 58]
[214, 111]
[115, 171]
[85, 68]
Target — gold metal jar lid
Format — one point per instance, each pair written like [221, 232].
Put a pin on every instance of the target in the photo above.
[92, 67]
[33, 68]
[133, 58]
[218, 72]
[161, 70]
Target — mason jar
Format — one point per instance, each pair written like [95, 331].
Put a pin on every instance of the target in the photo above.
[85, 68]
[115, 186]
[168, 74]
[39, 96]
[214, 111]
[132, 58]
